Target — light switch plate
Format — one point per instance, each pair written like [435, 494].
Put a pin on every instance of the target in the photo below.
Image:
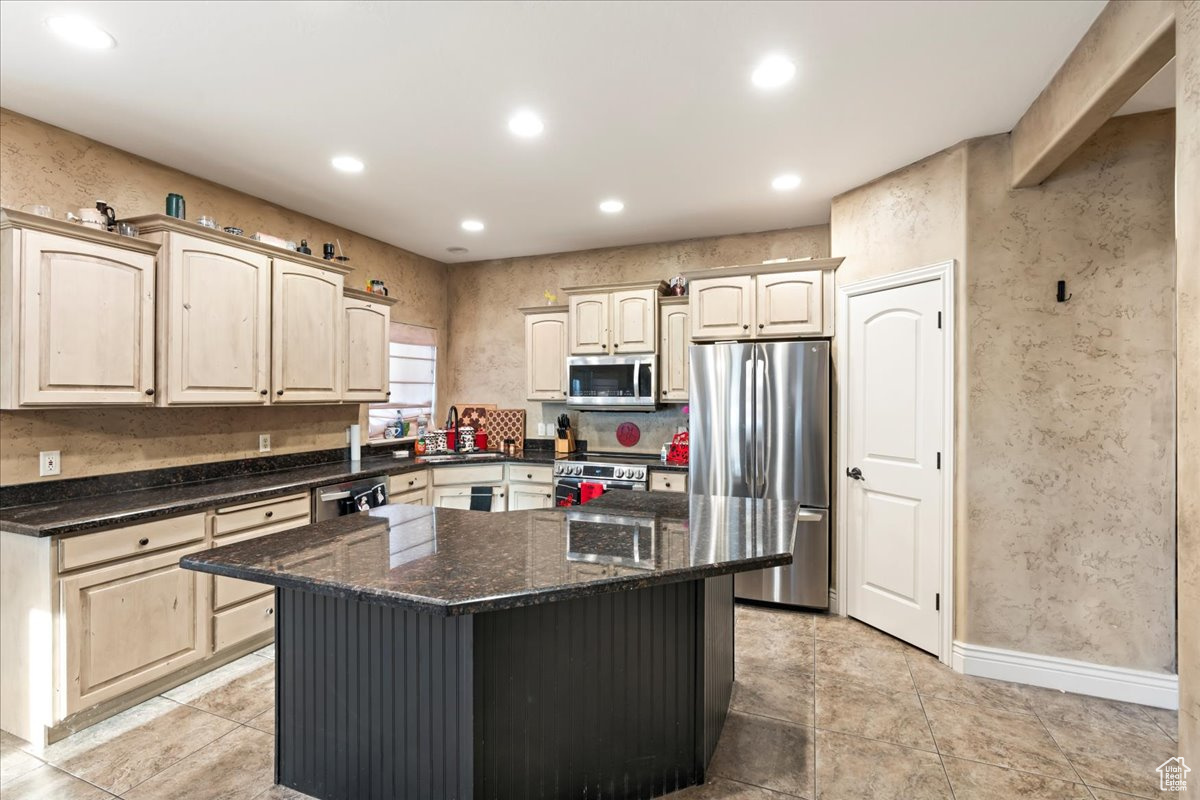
[264, 443]
[49, 463]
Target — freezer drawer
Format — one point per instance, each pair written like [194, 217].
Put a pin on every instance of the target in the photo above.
[804, 582]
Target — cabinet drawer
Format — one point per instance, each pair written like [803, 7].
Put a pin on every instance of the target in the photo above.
[530, 473]
[239, 518]
[668, 481]
[240, 623]
[95, 548]
[230, 591]
[408, 482]
[471, 476]
[416, 498]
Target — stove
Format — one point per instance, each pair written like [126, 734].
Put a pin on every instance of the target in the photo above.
[587, 475]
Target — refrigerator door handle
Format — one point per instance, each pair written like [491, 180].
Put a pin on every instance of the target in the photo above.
[750, 410]
[760, 413]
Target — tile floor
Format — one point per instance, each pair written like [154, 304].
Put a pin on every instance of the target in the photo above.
[823, 707]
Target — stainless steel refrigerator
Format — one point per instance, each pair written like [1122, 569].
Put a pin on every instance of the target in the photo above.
[759, 427]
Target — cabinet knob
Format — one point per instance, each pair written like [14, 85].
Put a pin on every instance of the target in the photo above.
[270, 612]
[270, 514]
[279, 392]
[149, 391]
[745, 327]
[761, 326]
[667, 484]
[143, 542]
[664, 392]
[529, 475]
[411, 482]
[263, 392]
[615, 346]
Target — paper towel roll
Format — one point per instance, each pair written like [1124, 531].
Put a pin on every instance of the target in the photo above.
[355, 445]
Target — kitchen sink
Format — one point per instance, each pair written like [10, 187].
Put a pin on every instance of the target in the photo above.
[441, 459]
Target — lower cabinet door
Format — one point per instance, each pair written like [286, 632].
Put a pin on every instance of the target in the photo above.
[128, 624]
[239, 623]
[524, 497]
[416, 498]
[460, 497]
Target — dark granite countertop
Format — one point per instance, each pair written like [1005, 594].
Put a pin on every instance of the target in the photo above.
[83, 514]
[448, 561]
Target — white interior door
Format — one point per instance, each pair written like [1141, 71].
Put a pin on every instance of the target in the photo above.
[894, 400]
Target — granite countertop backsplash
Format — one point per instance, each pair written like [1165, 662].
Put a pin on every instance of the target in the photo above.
[79, 506]
[450, 561]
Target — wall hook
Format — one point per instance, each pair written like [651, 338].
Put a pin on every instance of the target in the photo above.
[1062, 292]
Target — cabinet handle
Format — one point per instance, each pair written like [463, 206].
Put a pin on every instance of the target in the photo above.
[270, 514]
[279, 392]
[263, 392]
[143, 542]
[149, 391]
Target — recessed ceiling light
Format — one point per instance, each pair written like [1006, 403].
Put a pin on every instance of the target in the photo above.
[347, 164]
[773, 72]
[785, 183]
[81, 33]
[612, 206]
[458, 251]
[526, 124]
[472, 225]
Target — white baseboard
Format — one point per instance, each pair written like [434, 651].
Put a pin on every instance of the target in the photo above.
[1114, 683]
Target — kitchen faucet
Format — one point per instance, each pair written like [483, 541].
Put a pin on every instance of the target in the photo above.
[452, 414]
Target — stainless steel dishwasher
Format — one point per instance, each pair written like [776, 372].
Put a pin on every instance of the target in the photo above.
[350, 497]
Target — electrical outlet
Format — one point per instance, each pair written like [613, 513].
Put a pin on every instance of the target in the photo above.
[50, 463]
[264, 443]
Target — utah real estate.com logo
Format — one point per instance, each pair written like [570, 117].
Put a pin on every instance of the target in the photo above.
[1172, 775]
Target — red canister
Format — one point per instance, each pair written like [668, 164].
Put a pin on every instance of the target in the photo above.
[481, 440]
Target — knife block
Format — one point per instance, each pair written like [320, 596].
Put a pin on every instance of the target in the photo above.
[565, 446]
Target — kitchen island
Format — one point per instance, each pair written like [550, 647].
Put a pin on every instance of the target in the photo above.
[438, 653]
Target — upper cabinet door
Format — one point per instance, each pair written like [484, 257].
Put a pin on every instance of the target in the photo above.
[365, 379]
[788, 304]
[673, 354]
[86, 333]
[588, 315]
[217, 311]
[634, 321]
[306, 334]
[722, 308]
[545, 356]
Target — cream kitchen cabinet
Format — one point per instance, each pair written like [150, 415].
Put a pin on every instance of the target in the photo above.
[409, 488]
[788, 304]
[674, 340]
[588, 323]
[460, 497]
[215, 321]
[366, 320]
[530, 486]
[612, 320]
[668, 481]
[306, 333]
[764, 301]
[545, 353]
[77, 316]
[722, 308]
[634, 321]
[451, 486]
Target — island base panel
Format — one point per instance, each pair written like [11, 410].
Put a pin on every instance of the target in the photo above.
[618, 695]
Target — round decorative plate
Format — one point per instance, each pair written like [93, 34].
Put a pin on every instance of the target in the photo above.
[628, 434]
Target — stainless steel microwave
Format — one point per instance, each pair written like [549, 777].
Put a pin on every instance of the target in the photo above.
[627, 383]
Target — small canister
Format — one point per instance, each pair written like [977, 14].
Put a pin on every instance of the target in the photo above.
[466, 438]
[510, 447]
[176, 207]
[481, 440]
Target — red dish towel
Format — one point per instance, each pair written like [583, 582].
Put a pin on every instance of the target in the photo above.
[589, 491]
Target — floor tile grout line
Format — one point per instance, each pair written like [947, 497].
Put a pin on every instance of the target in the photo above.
[181, 760]
[1069, 761]
[929, 725]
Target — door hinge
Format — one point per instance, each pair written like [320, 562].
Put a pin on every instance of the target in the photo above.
[939, 459]
[937, 602]
[939, 319]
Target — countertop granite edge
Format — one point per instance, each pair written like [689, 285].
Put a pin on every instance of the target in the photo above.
[198, 563]
[223, 492]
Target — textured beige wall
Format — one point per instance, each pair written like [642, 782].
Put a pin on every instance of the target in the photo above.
[1187, 271]
[910, 218]
[43, 164]
[487, 336]
[1070, 446]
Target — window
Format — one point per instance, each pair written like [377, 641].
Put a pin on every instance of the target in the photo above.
[412, 376]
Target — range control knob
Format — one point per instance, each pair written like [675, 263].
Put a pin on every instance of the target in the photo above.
[641, 475]
[619, 472]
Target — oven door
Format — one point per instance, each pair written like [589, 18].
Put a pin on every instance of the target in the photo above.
[622, 382]
[577, 491]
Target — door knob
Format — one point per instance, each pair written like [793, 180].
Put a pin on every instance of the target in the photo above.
[855, 473]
